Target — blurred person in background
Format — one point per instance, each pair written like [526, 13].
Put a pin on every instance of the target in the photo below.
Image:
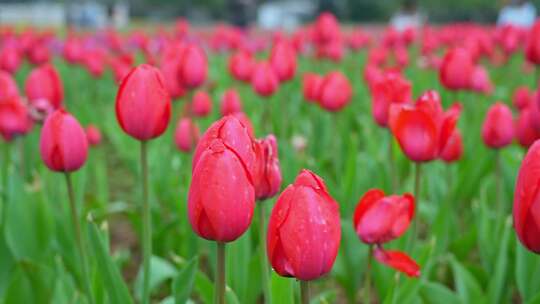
[407, 17]
[517, 13]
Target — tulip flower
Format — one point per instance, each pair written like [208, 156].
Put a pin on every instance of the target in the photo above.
[532, 48]
[453, 150]
[201, 104]
[522, 97]
[186, 135]
[221, 197]
[63, 148]
[498, 127]
[93, 135]
[326, 28]
[10, 59]
[311, 84]
[391, 88]
[8, 86]
[304, 230]
[143, 110]
[283, 61]
[264, 80]
[44, 84]
[14, 118]
[526, 133]
[480, 81]
[244, 120]
[525, 200]
[169, 69]
[230, 102]
[335, 92]
[193, 66]
[457, 69]
[241, 66]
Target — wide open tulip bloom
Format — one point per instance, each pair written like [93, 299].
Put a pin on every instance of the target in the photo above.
[193, 66]
[264, 80]
[267, 177]
[311, 84]
[391, 88]
[230, 102]
[93, 135]
[283, 60]
[525, 212]
[498, 127]
[14, 118]
[221, 196]
[201, 104]
[143, 105]
[63, 144]
[44, 84]
[186, 135]
[457, 69]
[241, 66]
[304, 230]
[335, 92]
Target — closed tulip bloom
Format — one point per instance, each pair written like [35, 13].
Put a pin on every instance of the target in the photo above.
[522, 97]
[169, 68]
[456, 69]
[143, 105]
[326, 28]
[230, 102]
[391, 88]
[93, 135]
[311, 84]
[453, 150]
[335, 92]
[10, 59]
[532, 48]
[264, 80]
[268, 173]
[63, 145]
[480, 81]
[241, 66]
[186, 135]
[304, 229]
[498, 127]
[44, 84]
[193, 66]
[526, 133]
[14, 118]
[8, 86]
[73, 50]
[283, 60]
[526, 201]
[201, 104]
[39, 54]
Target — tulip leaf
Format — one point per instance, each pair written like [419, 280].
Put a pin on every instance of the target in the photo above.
[282, 289]
[160, 271]
[467, 286]
[182, 284]
[496, 284]
[435, 293]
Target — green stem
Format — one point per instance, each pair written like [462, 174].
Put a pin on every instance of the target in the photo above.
[78, 237]
[417, 181]
[220, 278]
[368, 275]
[392, 164]
[304, 292]
[499, 183]
[264, 264]
[147, 225]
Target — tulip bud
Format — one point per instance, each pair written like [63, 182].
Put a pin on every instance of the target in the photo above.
[335, 92]
[193, 66]
[498, 127]
[522, 97]
[268, 173]
[14, 118]
[391, 88]
[8, 86]
[44, 83]
[311, 84]
[63, 145]
[304, 230]
[526, 134]
[201, 104]
[456, 69]
[241, 66]
[264, 80]
[230, 102]
[283, 61]
[480, 81]
[93, 135]
[143, 106]
[169, 68]
[532, 48]
[10, 59]
[186, 135]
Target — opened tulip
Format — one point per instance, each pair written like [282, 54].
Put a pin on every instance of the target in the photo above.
[283, 60]
[230, 102]
[457, 69]
[498, 127]
[44, 85]
[335, 92]
[201, 104]
[186, 135]
[93, 135]
[264, 80]
[311, 84]
[267, 177]
[143, 106]
[304, 230]
[390, 89]
[241, 66]
[14, 118]
[193, 66]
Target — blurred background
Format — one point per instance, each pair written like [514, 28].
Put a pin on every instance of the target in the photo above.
[285, 14]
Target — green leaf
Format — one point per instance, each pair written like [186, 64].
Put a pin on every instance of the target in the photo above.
[230, 296]
[435, 293]
[282, 289]
[183, 282]
[497, 282]
[468, 288]
[160, 271]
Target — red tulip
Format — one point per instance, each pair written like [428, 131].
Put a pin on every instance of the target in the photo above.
[283, 60]
[457, 69]
[193, 66]
[244, 119]
[532, 49]
[201, 104]
[526, 133]
[264, 80]
[186, 135]
[63, 145]
[10, 59]
[335, 92]
[397, 260]
[453, 150]
[526, 200]
[311, 84]
[304, 230]
[14, 118]
[39, 54]
[498, 127]
[221, 196]
[8, 86]
[143, 106]
[326, 28]
[391, 88]
[267, 179]
[480, 81]
[230, 102]
[522, 97]
[241, 66]
[93, 135]
[44, 83]
[73, 50]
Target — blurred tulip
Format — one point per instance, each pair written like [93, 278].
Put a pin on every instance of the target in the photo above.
[267, 177]
[397, 260]
[63, 145]
[526, 133]
[193, 66]
[304, 230]
[480, 81]
[8, 86]
[10, 59]
[201, 104]
[14, 118]
[44, 83]
[532, 49]
[456, 69]
[453, 150]
[335, 92]
[93, 135]
[326, 28]
[283, 61]
[241, 66]
[264, 80]
[230, 102]
[498, 127]
[311, 84]
[39, 54]
[143, 105]
[390, 89]
[186, 135]
[522, 97]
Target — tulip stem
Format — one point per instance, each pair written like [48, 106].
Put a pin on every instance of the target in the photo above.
[220, 278]
[147, 225]
[499, 183]
[368, 275]
[392, 164]
[304, 292]
[78, 237]
[417, 181]
[264, 264]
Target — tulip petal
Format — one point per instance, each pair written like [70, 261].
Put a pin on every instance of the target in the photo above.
[365, 203]
[416, 133]
[397, 260]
